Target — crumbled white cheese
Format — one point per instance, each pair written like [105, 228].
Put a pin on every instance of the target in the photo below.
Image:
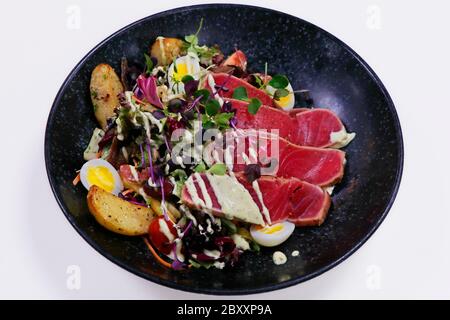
[219, 265]
[240, 242]
[341, 138]
[295, 253]
[279, 258]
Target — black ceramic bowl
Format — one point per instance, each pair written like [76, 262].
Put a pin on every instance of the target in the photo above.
[312, 58]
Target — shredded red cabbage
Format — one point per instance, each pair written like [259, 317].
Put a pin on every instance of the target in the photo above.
[194, 103]
[163, 200]
[177, 264]
[150, 160]
[186, 230]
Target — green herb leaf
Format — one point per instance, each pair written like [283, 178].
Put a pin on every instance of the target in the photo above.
[254, 105]
[202, 92]
[279, 82]
[201, 167]
[212, 107]
[230, 226]
[200, 26]
[254, 246]
[223, 119]
[148, 64]
[280, 93]
[259, 81]
[208, 124]
[218, 169]
[198, 264]
[194, 263]
[187, 78]
[240, 93]
[175, 65]
[179, 174]
[191, 39]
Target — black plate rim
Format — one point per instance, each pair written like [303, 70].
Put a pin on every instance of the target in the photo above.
[173, 285]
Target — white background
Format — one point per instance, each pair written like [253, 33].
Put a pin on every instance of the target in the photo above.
[405, 42]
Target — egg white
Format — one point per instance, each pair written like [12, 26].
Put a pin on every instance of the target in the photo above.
[273, 239]
[191, 64]
[287, 103]
[118, 185]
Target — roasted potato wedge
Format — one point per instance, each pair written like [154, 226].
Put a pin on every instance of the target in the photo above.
[166, 49]
[118, 215]
[105, 87]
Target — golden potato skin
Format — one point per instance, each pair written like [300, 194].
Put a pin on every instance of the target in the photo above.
[166, 49]
[105, 86]
[118, 215]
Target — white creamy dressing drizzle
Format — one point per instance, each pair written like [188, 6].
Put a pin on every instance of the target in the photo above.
[178, 246]
[205, 194]
[215, 254]
[125, 153]
[119, 129]
[134, 173]
[341, 138]
[156, 70]
[279, 258]
[193, 192]
[228, 158]
[147, 117]
[92, 149]
[212, 84]
[163, 206]
[258, 192]
[179, 161]
[234, 199]
[178, 226]
[209, 228]
[143, 194]
[188, 214]
[218, 223]
[151, 183]
[329, 190]
[216, 156]
[154, 121]
[164, 228]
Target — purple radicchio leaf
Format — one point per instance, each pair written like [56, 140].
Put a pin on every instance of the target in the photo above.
[190, 87]
[226, 245]
[147, 85]
[158, 114]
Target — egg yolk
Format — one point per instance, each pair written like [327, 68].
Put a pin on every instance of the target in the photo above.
[284, 101]
[101, 177]
[271, 229]
[181, 71]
